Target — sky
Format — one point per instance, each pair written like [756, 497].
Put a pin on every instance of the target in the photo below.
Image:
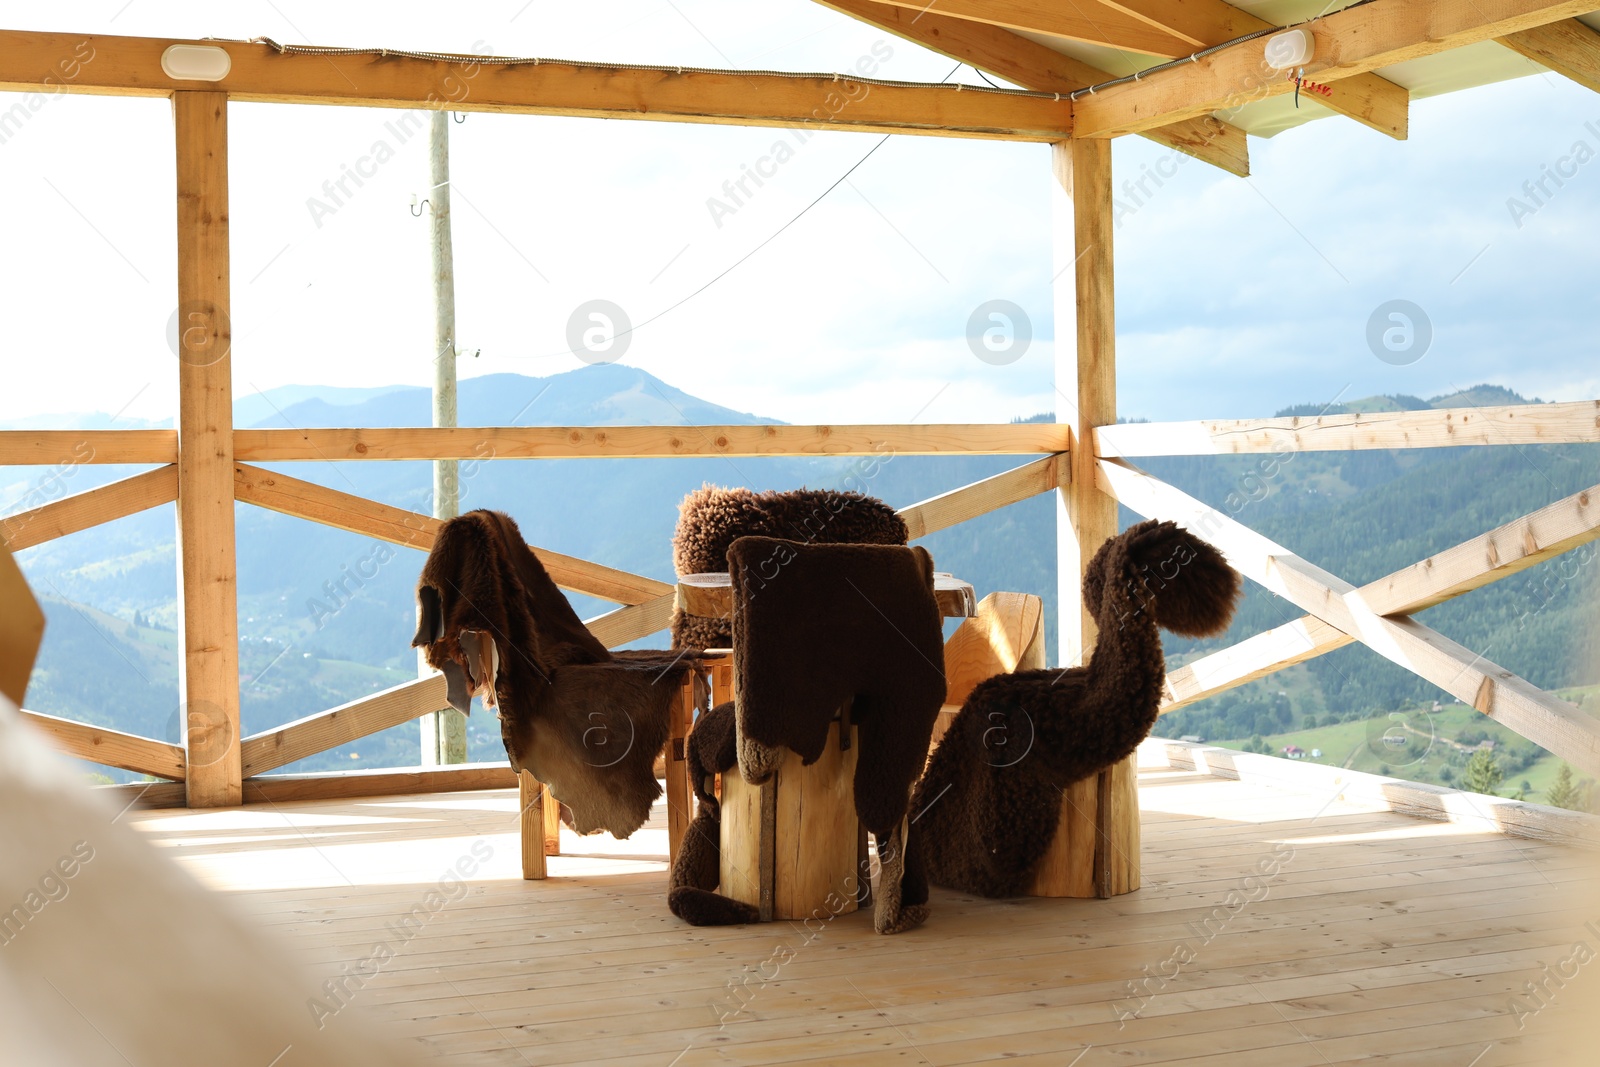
[1235, 297]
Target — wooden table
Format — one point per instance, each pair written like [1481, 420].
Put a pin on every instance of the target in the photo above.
[710, 595]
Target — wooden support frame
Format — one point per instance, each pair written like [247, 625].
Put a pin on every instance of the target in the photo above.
[638, 442]
[1568, 47]
[81, 511]
[980, 498]
[1369, 99]
[1073, 22]
[1027, 63]
[112, 748]
[357, 514]
[72, 447]
[1576, 422]
[1352, 41]
[208, 619]
[131, 66]
[331, 785]
[271, 749]
[1546, 721]
[633, 621]
[1086, 515]
[1506, 550]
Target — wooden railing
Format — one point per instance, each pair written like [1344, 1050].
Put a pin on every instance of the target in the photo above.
[205, 464]
[1337, 614]
[645, 603]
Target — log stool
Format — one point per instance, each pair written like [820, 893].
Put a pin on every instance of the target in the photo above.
[793, 847]
[1095, 852]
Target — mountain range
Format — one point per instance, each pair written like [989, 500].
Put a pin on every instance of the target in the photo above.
[110, 592]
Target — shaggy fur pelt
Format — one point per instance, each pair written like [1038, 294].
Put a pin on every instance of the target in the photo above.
[585, 722]
[711, 518]
[696, 873]
[816, 626]
[989, 801]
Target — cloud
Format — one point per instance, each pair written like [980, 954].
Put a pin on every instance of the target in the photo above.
[1234, 297]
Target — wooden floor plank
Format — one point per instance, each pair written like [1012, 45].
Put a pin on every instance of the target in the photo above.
[1383, 937]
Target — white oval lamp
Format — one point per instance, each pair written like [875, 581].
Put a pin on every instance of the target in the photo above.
[1291, 48]
[196, 62]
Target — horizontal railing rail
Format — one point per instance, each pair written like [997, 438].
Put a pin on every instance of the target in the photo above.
[1377, 614]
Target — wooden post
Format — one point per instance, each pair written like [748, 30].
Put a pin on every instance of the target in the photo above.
[1100, 823]
[680, 791]
[533, 800]
[208, 614]
[792, 847]
[444, 732]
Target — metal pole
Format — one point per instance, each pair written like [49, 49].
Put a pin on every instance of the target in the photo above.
[444, 732]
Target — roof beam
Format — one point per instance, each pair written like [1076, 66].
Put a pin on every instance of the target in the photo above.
[1567, 47]
[1353, 41]
[1073, 21]
[1369, 99]
[131, 66]
[1027, 63]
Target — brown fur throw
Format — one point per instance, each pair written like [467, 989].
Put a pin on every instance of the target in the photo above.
[711, 518]
[816, 626]
[988, 814]
[698, 869]
[587, 723]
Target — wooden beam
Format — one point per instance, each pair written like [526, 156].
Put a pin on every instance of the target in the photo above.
[1506, 550]
[1068, 21]
[1541, 718]
[348, 722]
[1567, 47]
[1021, 61]
[1198, 23]
[1001, 490]
[80, 511]
[1096, 833]
[634, 621]
[346, 511]
[633, 442]
[531, 801]
[1086, 380]
[72, 447]
[1369, 99]
[1256, 657]
[1519, 424]
[1352, 41]
[111, 748]
[260, 73]
[1499, 553]
[334, 785]
[208, 611]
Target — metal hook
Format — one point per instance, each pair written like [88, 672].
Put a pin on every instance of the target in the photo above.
[458, 116]
[416, 206]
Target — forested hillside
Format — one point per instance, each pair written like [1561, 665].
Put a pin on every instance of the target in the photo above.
[327, 616]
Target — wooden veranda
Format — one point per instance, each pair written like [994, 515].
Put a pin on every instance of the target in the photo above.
[1088, 462]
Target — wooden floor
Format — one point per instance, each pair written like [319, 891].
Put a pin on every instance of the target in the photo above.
[1382, 937]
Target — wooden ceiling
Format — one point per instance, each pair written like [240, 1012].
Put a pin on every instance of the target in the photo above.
[1204, 108]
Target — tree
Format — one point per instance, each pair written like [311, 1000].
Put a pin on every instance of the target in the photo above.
[1447, 774]
[1566, 793]
[1483, 773]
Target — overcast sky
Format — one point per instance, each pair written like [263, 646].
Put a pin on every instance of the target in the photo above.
[1235, 297]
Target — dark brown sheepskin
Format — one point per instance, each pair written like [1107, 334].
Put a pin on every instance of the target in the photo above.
[819, 625]
[697, 871]
[989, 801]
[583, 721]
[816, 626]
[711, 518]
